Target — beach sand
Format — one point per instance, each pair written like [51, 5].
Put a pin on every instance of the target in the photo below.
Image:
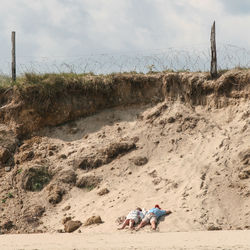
[223, 240]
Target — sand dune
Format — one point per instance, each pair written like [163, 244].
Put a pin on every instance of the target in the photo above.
[191, 159]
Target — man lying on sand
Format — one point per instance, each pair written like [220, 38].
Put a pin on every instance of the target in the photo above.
[134, 217]
[152, 216]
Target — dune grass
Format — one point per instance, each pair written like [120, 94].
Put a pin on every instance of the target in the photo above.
[73, 79]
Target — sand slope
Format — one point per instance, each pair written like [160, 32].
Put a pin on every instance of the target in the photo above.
[193, 167]
[198, 166]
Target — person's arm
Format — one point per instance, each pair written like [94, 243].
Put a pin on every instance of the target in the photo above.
[165, 212]
[168, 212]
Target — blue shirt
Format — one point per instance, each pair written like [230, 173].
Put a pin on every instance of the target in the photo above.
[157, 212]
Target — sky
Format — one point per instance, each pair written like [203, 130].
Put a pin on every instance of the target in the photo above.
[75, 28]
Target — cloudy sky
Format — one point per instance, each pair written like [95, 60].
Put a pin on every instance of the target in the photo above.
[68, 28]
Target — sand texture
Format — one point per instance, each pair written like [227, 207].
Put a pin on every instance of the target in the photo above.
[223, 240]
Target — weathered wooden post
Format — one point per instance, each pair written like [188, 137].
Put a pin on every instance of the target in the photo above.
[213, 69]
[13, 65]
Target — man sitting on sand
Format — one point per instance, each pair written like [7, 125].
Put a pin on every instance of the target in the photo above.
[152, 217]
[134, 217]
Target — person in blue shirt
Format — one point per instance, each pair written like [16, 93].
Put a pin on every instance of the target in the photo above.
[152, 216]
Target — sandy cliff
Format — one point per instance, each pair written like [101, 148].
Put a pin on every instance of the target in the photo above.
[102, 146]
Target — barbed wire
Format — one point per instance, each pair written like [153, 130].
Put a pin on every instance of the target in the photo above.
[189, 59]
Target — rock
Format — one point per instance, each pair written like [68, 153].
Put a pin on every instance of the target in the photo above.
[246, 162]
[135, 139]
[52, 147]
[103, 191]
[66, 208]
[162, 122]
[38, 211]
[106, 155]
[93, 220]
[213, 228]
[189, 123]
[70, 226]
[24, 147]
[243, 175]
[51, 153]
[68, 176]
[89, 182]
[62, 156]
[7, 169]
[115, 149]
[156, 113]
[179, 129]
[244, 155]
[247, 170]
[7, 225]
[74, 130]
[55, 194]
[5, 155]
[28, 156]
[153, 173]
[171, 119]
[140, 161]
[32, 214]
[39, 231]
[35, 178]
[66, 219]
[157, 180]
[203, 176]
[91, 162]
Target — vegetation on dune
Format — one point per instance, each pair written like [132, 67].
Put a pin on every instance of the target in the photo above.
[58, 79]
[49, 80]
[35, 178]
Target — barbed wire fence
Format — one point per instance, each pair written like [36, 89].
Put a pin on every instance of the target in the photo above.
[192, 59]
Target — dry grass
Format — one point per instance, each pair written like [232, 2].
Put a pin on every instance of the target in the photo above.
[74, 80]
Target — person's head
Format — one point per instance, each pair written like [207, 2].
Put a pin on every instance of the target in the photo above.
[157, 206]
[138, 208]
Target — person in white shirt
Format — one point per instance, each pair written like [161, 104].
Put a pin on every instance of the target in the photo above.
[134, 217]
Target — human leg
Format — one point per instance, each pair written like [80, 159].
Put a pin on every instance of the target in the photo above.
[142, 224]
[153, 225]
[131, 224]
[153, 222]
[125, 223]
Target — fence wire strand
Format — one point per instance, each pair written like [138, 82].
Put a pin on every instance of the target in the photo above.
[192, 59]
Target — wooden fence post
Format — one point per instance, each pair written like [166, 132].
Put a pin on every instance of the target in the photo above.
[13, 65]
[213, 69]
